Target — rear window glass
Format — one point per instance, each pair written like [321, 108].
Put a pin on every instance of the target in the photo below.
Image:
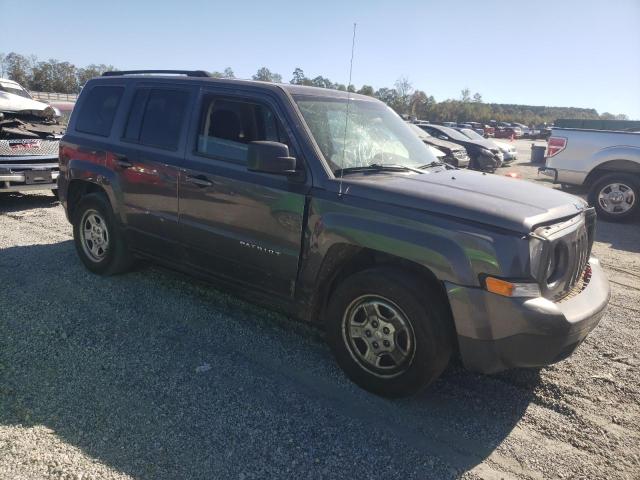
[163, 118]
[98, 110]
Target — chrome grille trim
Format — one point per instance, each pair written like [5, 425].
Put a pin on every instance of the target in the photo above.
[576, 234]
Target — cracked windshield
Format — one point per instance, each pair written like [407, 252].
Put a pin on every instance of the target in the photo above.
[375, 135]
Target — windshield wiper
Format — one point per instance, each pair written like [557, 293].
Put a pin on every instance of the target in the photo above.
[437, 164]
[376, 167]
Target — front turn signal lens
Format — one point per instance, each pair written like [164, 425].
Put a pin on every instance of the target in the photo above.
[510, 289]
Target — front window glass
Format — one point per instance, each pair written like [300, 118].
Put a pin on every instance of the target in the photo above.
[371, 135]
[228, 126]
[8, 88]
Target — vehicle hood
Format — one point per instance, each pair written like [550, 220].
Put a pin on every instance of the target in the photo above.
[437, 152]
[10, 102]
[504, 202]
[442, 144]
[472, 143]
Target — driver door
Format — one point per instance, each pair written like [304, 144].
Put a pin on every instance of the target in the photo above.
[241, 225]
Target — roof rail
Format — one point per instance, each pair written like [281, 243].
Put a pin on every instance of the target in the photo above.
[188, 73]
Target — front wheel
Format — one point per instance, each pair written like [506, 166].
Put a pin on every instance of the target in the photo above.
[615, 196]
[389, 332]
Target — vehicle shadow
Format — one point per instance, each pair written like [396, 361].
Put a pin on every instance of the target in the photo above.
[160, 376]
[623, 236]
[17, 201]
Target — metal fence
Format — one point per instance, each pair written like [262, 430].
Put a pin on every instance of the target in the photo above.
[60, 97]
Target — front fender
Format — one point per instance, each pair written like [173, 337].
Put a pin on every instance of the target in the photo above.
[453, 251]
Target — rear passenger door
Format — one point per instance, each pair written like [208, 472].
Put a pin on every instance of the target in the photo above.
[245, 226]
[150, 154]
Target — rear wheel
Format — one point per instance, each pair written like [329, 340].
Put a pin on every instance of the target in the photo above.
[100, 243]
[616, 196]
[389, 332]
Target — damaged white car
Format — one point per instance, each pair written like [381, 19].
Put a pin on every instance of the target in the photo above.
[29, 137]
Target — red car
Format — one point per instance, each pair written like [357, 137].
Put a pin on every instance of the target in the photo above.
[508, 132]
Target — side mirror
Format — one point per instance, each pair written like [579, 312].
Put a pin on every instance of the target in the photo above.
[270, 157]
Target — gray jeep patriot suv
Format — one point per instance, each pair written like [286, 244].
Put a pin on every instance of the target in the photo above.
[325, 205]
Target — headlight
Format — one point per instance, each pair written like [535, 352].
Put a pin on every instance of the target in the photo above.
[486, 153]
[536, 250]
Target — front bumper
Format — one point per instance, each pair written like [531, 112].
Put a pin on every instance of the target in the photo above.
[17, 176]
[496, 333]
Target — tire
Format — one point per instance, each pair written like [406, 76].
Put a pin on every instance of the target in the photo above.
[616, 196]
[55, 193]
[99, 240]
[412, 350]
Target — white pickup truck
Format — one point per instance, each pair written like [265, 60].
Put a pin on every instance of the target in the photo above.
[30, 133]
[605, 162]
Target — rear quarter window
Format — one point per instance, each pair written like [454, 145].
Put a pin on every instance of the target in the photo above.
[98, 110]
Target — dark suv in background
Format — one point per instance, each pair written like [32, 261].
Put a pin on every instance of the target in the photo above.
[327, 206]
[484, 154]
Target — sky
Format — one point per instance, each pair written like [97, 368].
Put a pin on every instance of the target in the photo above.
[539, 52]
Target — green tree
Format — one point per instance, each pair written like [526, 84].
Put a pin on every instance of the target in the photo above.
[322, 82]
[17, 68]
[265, 75]
[465, 95]
[420, 104]
[477, 98]
[228, 73]
[55, 76]
[298, 77]
[91, 71]
[403, 90]
[366, 90]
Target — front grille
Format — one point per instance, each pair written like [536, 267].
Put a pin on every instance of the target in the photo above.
[579, 286]
[567, 247]
[13, 148]
[579, 251]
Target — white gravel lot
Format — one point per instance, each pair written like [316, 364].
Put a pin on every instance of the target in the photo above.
[108, 378]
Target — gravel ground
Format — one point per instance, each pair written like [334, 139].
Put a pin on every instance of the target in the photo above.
[153, 375]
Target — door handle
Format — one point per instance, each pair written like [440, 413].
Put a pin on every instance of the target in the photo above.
[200, 181]
[123, 162]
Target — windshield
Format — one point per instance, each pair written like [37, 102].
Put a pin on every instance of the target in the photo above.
[15, 90]
[452, 133]
[374, 134]
[472, 134]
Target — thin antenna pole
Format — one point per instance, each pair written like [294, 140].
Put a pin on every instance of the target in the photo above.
[346, 119]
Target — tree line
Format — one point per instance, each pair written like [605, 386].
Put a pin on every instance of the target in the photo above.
[64, 77]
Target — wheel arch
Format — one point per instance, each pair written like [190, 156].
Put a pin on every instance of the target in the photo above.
[613, 166]
[343, 260]
[79, 188]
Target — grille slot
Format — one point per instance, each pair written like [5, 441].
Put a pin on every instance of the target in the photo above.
[578, 257]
